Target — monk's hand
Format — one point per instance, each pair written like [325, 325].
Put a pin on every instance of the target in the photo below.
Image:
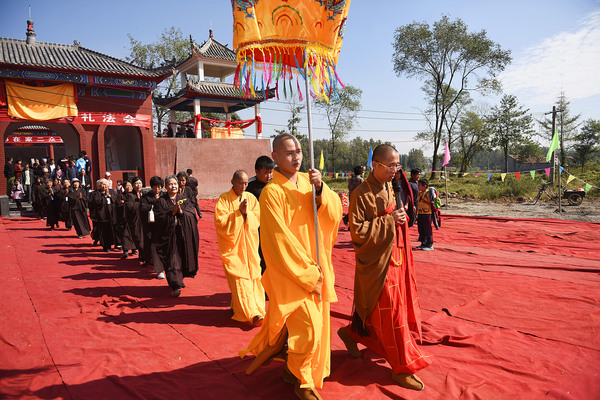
[399, 216]
[177, 208]
[314, 175]
[244, 207]
[319, 286]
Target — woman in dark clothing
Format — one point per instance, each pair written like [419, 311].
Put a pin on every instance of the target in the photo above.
[78, 209]
[132, 213]
[48, 203]
[123, 230]
[36, 190]
[176, 236]
[148, 224]
[62, 204]
[102, 209]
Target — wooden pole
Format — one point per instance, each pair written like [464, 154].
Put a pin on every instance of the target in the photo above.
[446, 182]
[312, 154]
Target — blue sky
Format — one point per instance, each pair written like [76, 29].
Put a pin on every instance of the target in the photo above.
[555, 46]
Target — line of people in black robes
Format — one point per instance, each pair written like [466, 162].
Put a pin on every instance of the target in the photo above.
[159, 226]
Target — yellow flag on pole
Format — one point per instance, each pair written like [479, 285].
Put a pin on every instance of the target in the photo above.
[321, 162]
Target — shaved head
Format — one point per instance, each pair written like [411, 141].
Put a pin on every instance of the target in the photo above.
[239, 174]
[382, 151]
[280, 139]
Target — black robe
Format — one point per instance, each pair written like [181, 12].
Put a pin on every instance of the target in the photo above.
[102, 212]
[48, 204]
[36, 199]
[132, 215]
[62, 206]
[176, 238]
[78, 210]
[149, 254]
[122, 231]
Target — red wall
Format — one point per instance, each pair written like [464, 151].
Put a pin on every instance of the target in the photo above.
[213, 160]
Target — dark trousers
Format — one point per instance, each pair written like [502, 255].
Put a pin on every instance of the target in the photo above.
[425, 232]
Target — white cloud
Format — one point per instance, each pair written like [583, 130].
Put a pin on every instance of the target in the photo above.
[567, 61]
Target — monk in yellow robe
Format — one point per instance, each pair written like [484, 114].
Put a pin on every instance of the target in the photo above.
[237, 215]
[299, 288]
[386, 310]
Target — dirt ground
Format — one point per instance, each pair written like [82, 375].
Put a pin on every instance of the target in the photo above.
[588, 210]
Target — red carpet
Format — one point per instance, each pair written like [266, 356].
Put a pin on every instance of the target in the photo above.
[510, 311]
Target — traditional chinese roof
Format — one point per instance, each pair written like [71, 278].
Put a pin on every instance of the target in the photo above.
[17, 53]
[213, 97]
[213, 49]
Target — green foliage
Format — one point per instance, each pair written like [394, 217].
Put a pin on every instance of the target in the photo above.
[169, 48]
[473, 136]
[511, 124]
[587, 142]
[449, 59]
[341, 114]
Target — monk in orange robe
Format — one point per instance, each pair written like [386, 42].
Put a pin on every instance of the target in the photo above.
[386, 310]
[237, 215]
[299, 288]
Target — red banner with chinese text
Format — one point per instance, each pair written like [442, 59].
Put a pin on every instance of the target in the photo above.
[33, 139]
[94, 118]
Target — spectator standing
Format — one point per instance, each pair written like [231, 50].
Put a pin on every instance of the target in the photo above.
[9, 174]
[27, 181]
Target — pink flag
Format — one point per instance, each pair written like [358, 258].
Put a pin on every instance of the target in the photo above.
[446, 156]
[547, 172]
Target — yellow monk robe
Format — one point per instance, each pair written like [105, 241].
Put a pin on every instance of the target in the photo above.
[287, 238]
[238, 245]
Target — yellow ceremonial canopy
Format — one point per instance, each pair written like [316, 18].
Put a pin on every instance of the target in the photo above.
[273, 35]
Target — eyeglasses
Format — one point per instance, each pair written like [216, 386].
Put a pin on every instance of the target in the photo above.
[393, 167]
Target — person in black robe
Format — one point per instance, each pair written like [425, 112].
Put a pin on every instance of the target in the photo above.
[102, 206]
[182, 180]
[62, 204]
[124, 234]
[148, 220]
[132, 213]
[176, 236]
[48, 203]
[36, 191]
[78, 209]
[192, 183]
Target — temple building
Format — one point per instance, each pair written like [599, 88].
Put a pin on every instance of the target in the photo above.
[57, 100]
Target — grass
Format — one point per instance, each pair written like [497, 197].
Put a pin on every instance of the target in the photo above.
[479, 188]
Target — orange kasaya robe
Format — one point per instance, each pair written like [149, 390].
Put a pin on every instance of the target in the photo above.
[287, 237]
[385, 294]
[238, 245]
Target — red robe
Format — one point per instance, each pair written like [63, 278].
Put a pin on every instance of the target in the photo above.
[385, 298]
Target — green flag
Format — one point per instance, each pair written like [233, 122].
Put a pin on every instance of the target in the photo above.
[553, 145]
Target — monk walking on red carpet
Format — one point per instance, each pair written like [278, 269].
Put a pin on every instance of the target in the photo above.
[386, 310]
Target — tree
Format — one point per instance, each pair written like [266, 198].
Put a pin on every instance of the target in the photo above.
[511, 125]
[566, 124]
[587, 142]
[415, 159]
[526, 150]
[473, 136]
[448, 57]
[169, 48]
[341, 114]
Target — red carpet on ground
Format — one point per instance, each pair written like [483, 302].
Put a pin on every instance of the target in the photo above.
[510, 311]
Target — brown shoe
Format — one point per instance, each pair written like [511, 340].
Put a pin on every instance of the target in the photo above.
[257, 320]
[301, 393]
[268, 352]
[348, 342]
[409, 381]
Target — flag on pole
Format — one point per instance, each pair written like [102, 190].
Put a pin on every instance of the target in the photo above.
[503, 175]
[532, 174]
[517, 175]
[570, 178]
[553, 145]
[489, 176]
[587, 187]
[547, 170]
[446, 156]
[370, 159]
[321, 162]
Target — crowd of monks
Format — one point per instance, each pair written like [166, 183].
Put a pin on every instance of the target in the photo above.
[274, 248]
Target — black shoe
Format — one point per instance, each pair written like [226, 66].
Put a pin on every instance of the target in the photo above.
[124, 256]
[176, 293]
